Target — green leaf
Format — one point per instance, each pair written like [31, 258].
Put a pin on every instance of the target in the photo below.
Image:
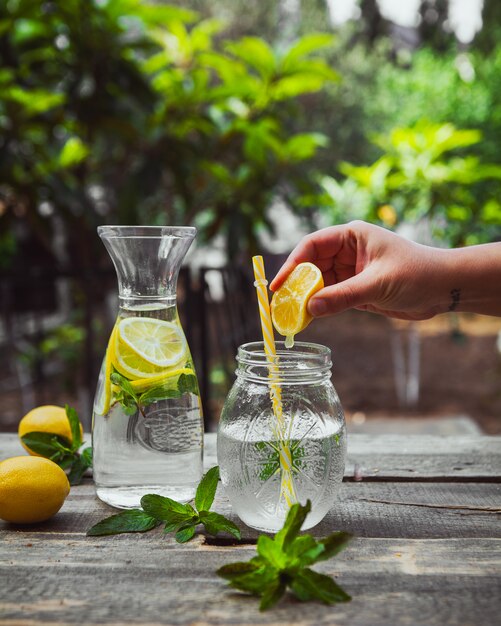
[34, 101]
[185, 533]
[256, 53]
[255, 582]
[26, 29]
[77, 470]
[272, 594]
[124, 384]
[333, 544]
[188, 383]
[215, 523]
[87, 456]
[239, 568]
[309, 585]
[154, 14]
[75, 427]
[303, 146]
[46, 444]
[305, 46]
[296, 85]
[491, 211]
[129, 395]
[271, 552]
[170, 527]
[156, 394]
[305, 549]
[206, 489]
[165, 509]
[133, 521]
[64, 462]
[74, 152]
[292, 525]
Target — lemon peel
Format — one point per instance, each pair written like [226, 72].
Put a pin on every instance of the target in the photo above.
[142, 384]
[32, 489]
[47, 418]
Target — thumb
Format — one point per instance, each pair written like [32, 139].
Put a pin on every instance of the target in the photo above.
[348, 294]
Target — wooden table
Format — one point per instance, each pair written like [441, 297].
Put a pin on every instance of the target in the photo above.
[425, 511]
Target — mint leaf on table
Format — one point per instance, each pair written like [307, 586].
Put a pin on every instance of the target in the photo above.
[206, 490]
[283, 562]
[87, 456]
[60, 450]
[76, 433]
[133, 521]
[215, 523]
[79, 465]
[167, 510]
[49, 445]
[181, 519]
[185, 533]
[310, 585]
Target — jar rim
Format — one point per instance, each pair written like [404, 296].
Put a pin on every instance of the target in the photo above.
[312, 356]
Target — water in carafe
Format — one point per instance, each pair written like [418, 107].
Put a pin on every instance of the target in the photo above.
[147, 432]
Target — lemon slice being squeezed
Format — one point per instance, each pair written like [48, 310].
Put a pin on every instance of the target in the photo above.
[146, 347]
[288, 305]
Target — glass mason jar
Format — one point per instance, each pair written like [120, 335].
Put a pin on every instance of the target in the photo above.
[282, 435]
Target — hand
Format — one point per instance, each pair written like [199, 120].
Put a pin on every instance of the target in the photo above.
[370, 268]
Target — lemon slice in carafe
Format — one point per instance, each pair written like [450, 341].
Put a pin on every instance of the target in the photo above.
[146, 347]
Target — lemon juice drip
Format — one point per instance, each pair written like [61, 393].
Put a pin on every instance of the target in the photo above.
[289, 341]
[148, 440]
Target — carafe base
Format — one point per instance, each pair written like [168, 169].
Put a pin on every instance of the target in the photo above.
[129, 497]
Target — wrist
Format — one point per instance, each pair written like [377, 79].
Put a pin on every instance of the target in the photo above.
[469, 279]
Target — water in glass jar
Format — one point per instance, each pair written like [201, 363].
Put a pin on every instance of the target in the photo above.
[147, 421]
[252, 479]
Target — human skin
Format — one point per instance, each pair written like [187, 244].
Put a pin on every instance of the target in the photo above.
[373, 269]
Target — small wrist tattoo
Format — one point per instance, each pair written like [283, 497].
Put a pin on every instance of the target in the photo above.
[455, 297]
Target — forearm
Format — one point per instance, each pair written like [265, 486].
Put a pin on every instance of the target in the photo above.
[470, 279]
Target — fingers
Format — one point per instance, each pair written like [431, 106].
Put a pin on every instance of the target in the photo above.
[319, 248]
[360, 290]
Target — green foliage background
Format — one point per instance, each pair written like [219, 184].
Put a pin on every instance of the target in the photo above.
[120, 111]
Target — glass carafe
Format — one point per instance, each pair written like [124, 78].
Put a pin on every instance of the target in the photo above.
[251, 446]
[147, 426]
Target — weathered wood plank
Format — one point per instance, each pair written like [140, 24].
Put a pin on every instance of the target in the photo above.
[388, 457]
[397, 582]
[424, 457]
[363, 509]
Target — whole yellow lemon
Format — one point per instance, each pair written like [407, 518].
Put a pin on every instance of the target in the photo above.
[32, 489]
[45, 419]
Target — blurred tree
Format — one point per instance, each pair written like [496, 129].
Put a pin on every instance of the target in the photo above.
[72, 104]
[433, 30]
[424, 173]
[490, 35]
[134, 112]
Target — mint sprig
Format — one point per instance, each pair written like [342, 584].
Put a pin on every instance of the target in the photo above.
[133, 401]
[284, 562]
[133, 521]
[178, 518]
[60, 450]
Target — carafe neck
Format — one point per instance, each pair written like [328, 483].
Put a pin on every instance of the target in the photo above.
[147, 260]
